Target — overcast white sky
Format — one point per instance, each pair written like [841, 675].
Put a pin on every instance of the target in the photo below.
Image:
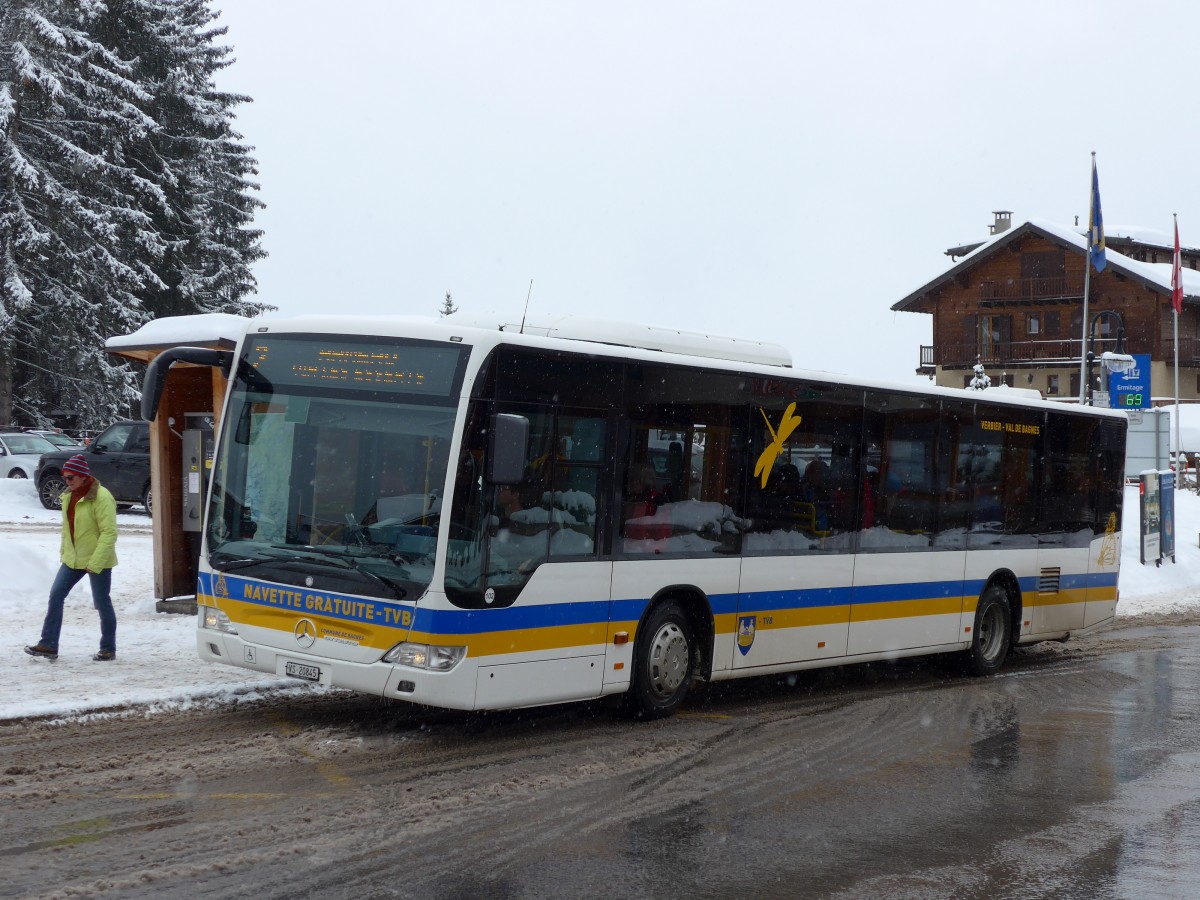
[775, 170]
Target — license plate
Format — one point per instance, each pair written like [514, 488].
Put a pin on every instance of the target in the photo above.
[298, 670]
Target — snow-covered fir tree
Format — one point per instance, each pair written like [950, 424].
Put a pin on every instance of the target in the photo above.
[125, 193]
[980, 380]
[448, 306]
[75, 217]
[204, 168]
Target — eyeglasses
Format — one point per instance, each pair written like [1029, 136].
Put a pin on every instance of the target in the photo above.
[70, 476]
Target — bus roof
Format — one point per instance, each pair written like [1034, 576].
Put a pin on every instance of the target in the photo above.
[640, 341]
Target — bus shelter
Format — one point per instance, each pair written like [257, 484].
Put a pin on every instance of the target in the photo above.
[181, 442]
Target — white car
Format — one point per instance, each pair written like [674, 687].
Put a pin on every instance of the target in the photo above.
[20, 452]
[57, 438]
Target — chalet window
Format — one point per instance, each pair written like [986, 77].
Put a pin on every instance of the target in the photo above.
[1033, 324]
[1007, 378]
[1074, 384]
[1050, 323]
[994, 333]
[1049, 264]
[967, 379]
[1052, 385]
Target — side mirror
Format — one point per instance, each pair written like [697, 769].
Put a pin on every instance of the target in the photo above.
[156, 372]
[507, 447]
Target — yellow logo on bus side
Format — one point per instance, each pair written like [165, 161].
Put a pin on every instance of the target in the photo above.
[1108, 549]
[787, 425]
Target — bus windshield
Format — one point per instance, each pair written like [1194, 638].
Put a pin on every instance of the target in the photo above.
[328, 474]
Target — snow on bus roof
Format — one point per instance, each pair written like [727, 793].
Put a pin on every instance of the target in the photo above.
[219, 327]
[632, 334]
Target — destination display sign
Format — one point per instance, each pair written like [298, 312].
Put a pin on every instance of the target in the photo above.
[338, 362]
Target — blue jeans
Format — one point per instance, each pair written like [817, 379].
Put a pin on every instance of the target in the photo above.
[66, 579]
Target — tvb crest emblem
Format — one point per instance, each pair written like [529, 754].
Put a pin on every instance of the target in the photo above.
[745, 635]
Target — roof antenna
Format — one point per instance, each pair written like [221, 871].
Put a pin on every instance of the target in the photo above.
[526, 310]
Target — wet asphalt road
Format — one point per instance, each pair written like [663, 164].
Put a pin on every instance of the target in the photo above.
[1074, 773]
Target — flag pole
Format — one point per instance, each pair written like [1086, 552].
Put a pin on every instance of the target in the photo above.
[1093, 197]
[1176, 303]
[1083, 373]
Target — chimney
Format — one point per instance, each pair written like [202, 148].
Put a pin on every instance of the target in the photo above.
[1003, 221]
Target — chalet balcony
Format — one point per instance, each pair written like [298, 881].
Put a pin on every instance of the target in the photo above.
[1189, 351]
[1011, 353]
[1026, 291]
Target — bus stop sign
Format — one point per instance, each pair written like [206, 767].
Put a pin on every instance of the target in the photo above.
[1131, 390]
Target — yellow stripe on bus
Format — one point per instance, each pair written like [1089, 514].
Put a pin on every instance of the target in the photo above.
[907, 609]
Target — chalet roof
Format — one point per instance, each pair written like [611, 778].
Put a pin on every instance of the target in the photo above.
[1114, 235]
[1155, 276]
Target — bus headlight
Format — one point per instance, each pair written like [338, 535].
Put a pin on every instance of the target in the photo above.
[425, 656]
[215, 620]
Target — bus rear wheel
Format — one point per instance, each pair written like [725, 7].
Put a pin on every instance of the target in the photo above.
[991, 637]
[663, 665]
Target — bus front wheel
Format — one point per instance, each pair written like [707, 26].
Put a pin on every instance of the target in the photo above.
[992, 635]
[663, 665]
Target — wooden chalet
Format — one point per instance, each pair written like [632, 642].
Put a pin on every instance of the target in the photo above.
[1015, 304]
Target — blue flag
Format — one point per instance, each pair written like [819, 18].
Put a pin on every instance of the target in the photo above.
[1096, 224]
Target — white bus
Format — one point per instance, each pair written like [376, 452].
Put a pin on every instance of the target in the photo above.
[477, 518]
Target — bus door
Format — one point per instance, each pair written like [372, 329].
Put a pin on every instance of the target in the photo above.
[908, 573]
[525, 557]
[994, 496]
[1104, 559]
[797, 550]
[1068, 517]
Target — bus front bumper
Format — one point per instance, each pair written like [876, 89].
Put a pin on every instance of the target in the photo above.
[451, 690]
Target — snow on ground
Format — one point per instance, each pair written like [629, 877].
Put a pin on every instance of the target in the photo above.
[156, 662]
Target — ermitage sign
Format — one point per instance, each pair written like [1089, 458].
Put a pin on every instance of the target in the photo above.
[1131, 390]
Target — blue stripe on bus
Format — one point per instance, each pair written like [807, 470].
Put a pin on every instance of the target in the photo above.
[480, 621]
[921, 590]
[512, 618]
[803, 598]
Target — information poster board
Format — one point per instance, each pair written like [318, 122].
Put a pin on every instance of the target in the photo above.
[1150, 519]
[1166, 506]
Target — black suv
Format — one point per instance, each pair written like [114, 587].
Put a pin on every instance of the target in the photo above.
[119, 458]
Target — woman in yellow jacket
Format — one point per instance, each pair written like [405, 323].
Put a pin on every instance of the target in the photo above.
[89, 541]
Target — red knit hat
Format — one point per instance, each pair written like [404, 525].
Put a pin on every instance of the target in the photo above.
[78, 465]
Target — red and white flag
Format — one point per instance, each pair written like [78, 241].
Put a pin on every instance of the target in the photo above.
[1176, 276]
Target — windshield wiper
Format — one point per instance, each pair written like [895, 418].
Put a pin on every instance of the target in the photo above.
[234, 564]
[327, 558]
[399, 592]
[323, 559]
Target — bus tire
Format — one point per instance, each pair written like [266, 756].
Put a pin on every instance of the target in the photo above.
[664, 663]
[991, 638]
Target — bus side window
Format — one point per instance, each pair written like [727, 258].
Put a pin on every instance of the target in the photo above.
[906, 478]
[574, 488]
